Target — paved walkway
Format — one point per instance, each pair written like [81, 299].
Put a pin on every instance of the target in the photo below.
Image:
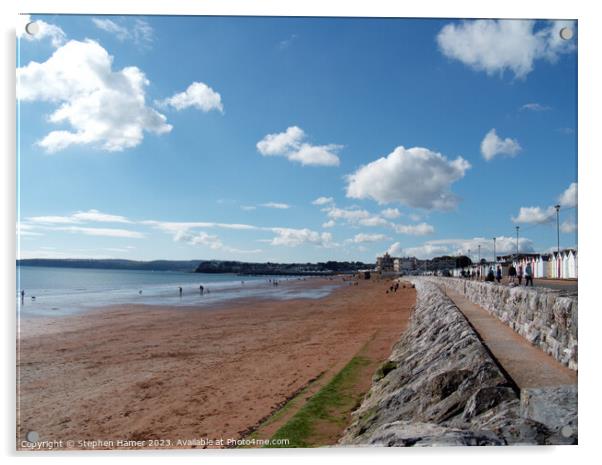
[527, 365]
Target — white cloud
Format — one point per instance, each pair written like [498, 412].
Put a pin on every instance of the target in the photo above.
[140, 31]
[277, 205]
[290, 144]
[106, 232]
[492, 145]
[391, 213]
[323, 201]
[568, 226]
[56, 35]
[421, 229]
[535, 107]
[363, 238]
[329, 224]
[568, 198]
[198, 95]
[95, 215]
[535, 215]
[105, 108]
[426, 251]
[504, 245]
[539, 215]
[107, 25]
[416, 177]
[494, 46]
[374, 221]
[350, 215]
[79, 217]
[248, 207]
[294, 237]
[199, 238]
[395, 249]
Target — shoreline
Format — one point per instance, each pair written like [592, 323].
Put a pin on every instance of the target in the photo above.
[158, 372]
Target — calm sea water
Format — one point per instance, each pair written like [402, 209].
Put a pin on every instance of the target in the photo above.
[55, 291]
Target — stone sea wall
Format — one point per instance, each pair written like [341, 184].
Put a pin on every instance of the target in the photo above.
[441, 387]
[546, 318]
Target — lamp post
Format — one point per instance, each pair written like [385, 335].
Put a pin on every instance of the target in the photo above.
[557, 207]
[494, 250]
[517, 228]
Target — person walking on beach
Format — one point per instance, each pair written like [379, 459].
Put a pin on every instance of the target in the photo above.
[201, 289]
[519, 273]
[22, 296]
[528, 275]
[512, 273]
[180, 288]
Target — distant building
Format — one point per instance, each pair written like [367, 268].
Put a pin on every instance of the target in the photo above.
[384, 263]
[404, 264]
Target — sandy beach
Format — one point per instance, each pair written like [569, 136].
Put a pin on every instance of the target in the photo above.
[182, 374]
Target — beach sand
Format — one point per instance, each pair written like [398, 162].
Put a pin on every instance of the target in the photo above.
[149, 372]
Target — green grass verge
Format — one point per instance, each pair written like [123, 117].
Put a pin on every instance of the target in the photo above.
[331, 404]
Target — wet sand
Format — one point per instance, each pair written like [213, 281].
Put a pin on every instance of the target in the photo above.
[185, 374]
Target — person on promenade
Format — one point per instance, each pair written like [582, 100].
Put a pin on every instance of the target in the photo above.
[498, 274]
[528, 275]
[490, 276]
[512, 273]
[519, 273]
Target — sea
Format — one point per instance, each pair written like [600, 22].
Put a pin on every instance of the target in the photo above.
[53, 291]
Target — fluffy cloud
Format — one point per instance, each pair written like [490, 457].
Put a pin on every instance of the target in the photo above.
[198, 95]
[391, 213]
[568, 226]
[277, 205]
[199, 238]
[290, 144]
[492, 145]
[362, 238]
[504, 245]
[417, 177]
[535, 215]
[105, 108]
[568, 198]
[44, 30]
[395, 249]
[323, 201]
[539, 215]
[294, 237]
[140, 32]
[329, 224]
[421, 229]
[496, 46]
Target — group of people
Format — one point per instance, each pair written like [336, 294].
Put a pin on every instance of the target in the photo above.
[515, 275]
[393, 287]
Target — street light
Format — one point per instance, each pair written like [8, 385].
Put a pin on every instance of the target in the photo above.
[557, 207]
[517, 228]
[494, 250]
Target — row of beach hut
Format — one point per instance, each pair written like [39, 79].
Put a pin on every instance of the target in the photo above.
[554, 265]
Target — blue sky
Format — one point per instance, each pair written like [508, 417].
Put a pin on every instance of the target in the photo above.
[214, 137]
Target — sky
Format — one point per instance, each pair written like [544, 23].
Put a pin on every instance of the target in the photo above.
[294, 139]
